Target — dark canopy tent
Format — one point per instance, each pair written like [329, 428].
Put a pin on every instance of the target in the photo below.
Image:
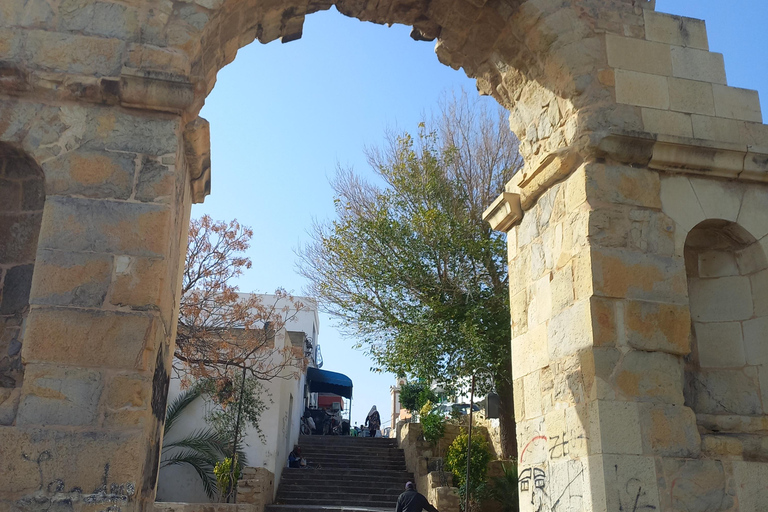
[323, 381]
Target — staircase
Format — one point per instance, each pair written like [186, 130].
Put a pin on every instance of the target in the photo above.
[345, 474]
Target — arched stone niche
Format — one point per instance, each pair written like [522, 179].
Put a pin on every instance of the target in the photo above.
[22, 196]
[726, 374]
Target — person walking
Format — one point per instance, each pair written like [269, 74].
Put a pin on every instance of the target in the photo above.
[373, 421]
[413, 501]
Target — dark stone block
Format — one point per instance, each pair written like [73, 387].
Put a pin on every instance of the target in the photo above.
[18, 282]
[33, 197]
[155, 181]
[18, 237]
[10, 196]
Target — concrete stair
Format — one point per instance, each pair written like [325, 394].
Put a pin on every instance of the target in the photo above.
[345, 474]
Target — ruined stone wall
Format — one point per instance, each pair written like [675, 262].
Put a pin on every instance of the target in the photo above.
[618, 107]
[102, 306]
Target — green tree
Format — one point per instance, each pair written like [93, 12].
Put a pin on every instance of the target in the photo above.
[201, 450]
[410, 267]
[413, 396]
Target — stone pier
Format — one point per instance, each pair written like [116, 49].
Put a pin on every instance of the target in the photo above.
[636, 232]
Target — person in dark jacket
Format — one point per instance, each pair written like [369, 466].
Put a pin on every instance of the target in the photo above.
[412, 501]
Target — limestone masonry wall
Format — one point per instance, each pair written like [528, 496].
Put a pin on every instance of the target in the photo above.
[645, 179]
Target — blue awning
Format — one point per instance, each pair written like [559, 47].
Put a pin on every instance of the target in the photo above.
[323, 381]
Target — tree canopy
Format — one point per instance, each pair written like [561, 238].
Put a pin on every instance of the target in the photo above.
[409, 267]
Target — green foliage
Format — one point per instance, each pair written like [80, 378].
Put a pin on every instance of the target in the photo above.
[223, 472]
[410, 267]
[226, 398]
[456, 463]
[432, 424]
[201, 450]
[504, 489]
[414, 396]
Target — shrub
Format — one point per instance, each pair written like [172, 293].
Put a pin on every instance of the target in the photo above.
[456, 463]
[432, 424]
[222, 471]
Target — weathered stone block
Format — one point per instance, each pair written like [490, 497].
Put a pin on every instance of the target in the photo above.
[717, 264]
[91, 338]
[569, 331]
[623, 184]
[100, 19]
[71, 279]
[100, 175]
[635, 275]
[562, 289]
[43, 460]
[156, 182]
[9, 404]
[76, 225]
[18, 237]
[691, 96]
[650, 377]
[32, 13]
[752, 491]
[756, 341]
[108, 129]
[667, 123]
[676, 30]
[656, 326]
[628, 481]
[700, 65]
[71, 53]
[638, 55]
[717, 129]
[138, 282]
[55, 395]
[752, 214]
[642, 89]
[10, 196]
[669, 431]
[721, 299]
[720, 345]
[732, 391]
[15, 293]
[736, 103]
[679, 202]
[617, 427]
[694, 485]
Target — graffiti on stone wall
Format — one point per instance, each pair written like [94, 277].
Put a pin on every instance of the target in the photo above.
[550, 482]
[54, 494]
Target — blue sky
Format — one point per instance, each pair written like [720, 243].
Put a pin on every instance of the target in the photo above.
[283, 116]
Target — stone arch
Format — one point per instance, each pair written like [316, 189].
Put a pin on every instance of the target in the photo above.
[22, 196]
[725, 373]
[540, 60]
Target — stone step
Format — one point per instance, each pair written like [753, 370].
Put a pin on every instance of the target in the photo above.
[330, 496]
[349, 454]
[342, 487]
[392, 466]
[347, 440]
[339, 501]
[346, 473]
[323, 508]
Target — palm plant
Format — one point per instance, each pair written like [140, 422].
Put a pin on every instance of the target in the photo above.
[504, 488]
[202, 449]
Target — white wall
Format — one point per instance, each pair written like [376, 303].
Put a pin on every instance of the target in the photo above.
[181, 483]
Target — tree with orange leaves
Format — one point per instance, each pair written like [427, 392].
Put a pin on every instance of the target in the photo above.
[222, 331]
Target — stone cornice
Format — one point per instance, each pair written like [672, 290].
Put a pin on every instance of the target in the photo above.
[686, 155]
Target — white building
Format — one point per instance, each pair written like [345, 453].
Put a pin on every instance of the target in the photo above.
[279, 423]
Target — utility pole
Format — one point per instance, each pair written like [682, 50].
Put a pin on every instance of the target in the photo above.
[469, 444]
